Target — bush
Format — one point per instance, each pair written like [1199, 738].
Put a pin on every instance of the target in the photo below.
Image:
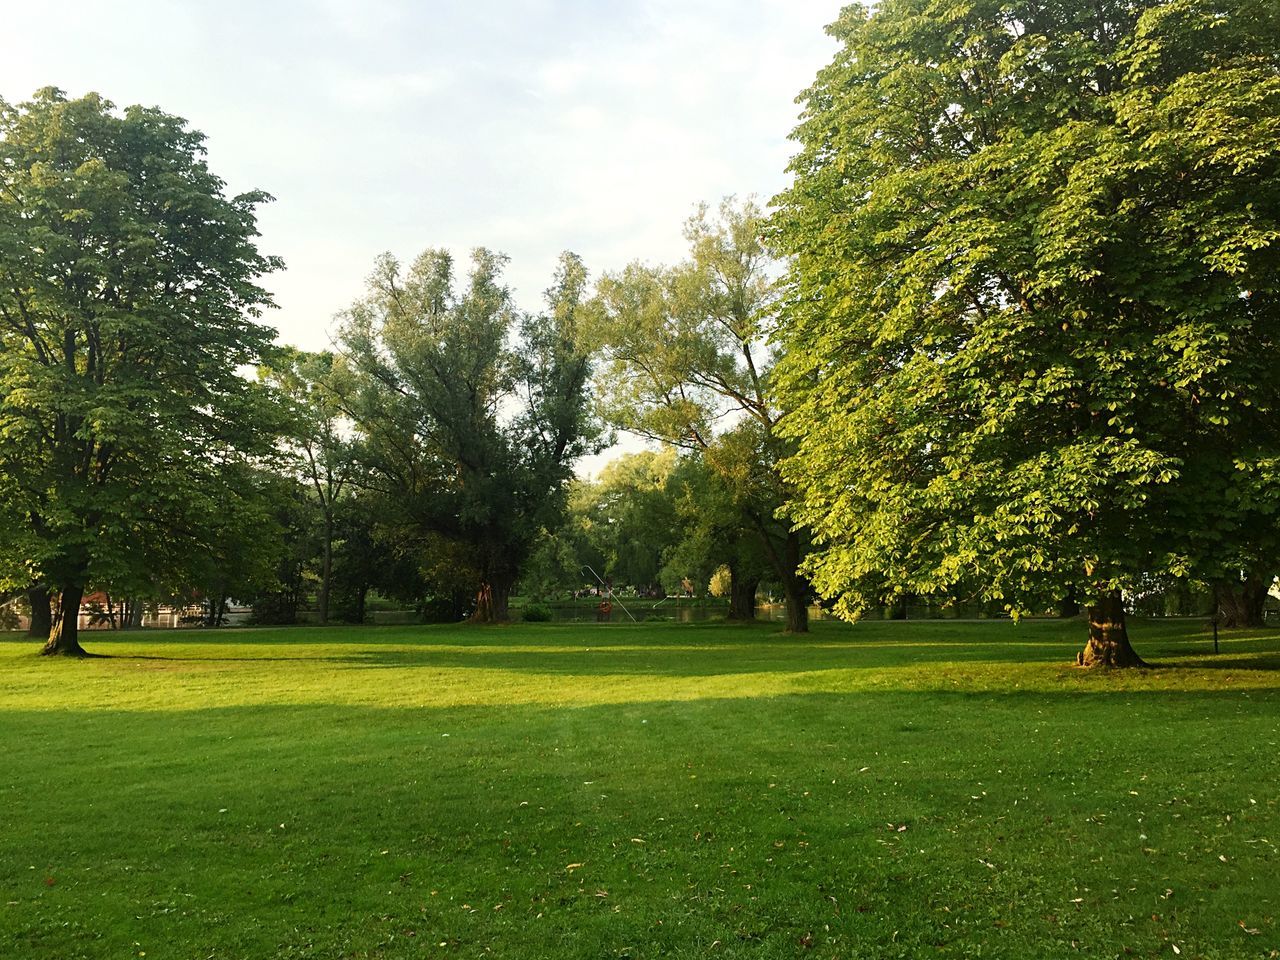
[536, 613]
[273, 609]
[446, 607]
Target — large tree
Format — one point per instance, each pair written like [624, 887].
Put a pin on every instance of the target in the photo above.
[1031, 320]
[471, 412]
[128, 297]
[686, 359]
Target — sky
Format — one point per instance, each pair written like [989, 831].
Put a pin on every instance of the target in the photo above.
[527, 126]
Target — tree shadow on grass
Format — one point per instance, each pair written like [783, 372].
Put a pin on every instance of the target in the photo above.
[1262, 661]
[694, 661]
[197, 659]
[693, 650]
[624, 660]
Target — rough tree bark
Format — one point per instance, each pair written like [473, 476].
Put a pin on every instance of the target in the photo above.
[64, 633]
[1243, 603]
[41, 613]
[742, 595]
[797, 603]
[1108, 644]
[786, 563]
[493, 601]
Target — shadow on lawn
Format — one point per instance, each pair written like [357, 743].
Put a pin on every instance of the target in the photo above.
[699, 650]
[692, 660]
[705, 661]
[1262, 661]
[1047, 645]
[721, 662]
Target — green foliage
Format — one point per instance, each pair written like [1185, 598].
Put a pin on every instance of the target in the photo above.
[1031, 316]
[651, 520]
[721, 581]
[619, 525]
[685, 359]
[368, 556]
[684, 347]
[470, 413]
[715, 524]
[319, 445]
[631, 516]
[535, 613]
[128, 305]
[283, 541]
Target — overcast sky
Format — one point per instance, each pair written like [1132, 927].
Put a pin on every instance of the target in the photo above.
[528, 126]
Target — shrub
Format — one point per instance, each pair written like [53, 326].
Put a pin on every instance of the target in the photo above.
[536, 613]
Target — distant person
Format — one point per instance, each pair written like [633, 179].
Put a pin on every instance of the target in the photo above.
[604, 611]
[687, 586]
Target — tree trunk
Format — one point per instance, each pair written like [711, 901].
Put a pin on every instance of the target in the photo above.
[742, 596]
[217, 608]
[135, 613]
[1243, 603]
[326, 569]
[492, 602]
[798, 606]
[1108, 644]
[794, 588]
[41, 613]
[64, 634]
[360, 602]
[1069, 607]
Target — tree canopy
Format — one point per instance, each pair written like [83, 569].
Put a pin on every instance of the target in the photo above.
[685, 358]
[469, 411]
[128, 305]
[1031, 316]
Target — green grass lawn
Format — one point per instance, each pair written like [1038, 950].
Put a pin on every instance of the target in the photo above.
[881, 790]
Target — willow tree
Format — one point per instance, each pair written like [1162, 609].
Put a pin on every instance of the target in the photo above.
[1031, 321]
[686, 360]
[128, 303]
[470, 412]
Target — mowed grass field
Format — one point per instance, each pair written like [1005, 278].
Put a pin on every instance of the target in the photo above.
[879, 790]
